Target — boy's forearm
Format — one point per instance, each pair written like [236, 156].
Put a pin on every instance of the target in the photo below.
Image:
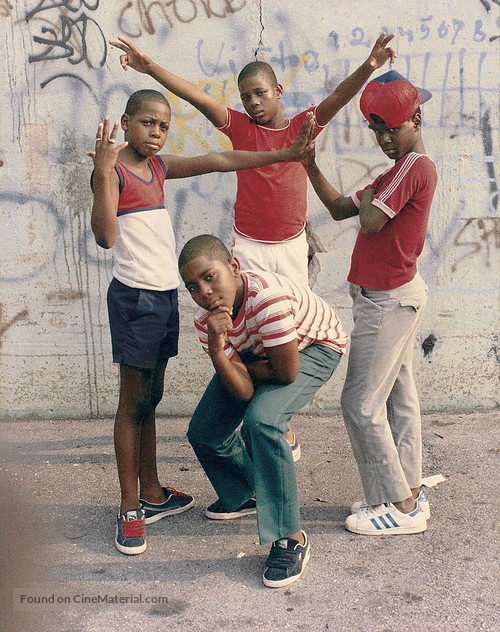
[179, 86]
[343, 93]
[371, 218]
[239, 159]
[339, 206]
[233, 375]
[190, 92]
[104, 207]
[262, 371]
[346, 90]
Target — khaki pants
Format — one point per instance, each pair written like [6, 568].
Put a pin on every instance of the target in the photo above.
[379, 399]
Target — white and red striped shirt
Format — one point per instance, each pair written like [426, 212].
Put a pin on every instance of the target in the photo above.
[275, 311]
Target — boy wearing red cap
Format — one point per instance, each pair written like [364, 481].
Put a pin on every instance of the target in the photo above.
[379, 399]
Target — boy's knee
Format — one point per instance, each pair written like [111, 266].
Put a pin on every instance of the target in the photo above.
[347, 399]
[256, 424]
[195, 432]
[141, 412]
[343, 400]
[250, 424]
[156, 397]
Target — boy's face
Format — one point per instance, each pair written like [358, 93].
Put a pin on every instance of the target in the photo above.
[213, 283]
[146, 131]
[260, 98]
[396, 142]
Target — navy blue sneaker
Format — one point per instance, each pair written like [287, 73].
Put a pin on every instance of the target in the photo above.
[286, 562]
[175, 503]
[129, 538]
[217, 512]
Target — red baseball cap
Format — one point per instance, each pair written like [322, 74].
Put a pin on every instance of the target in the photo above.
[392, 98]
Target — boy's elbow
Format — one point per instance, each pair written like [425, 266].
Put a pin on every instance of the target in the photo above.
[335, 213]
[247, 396]
[244, 393]
[370, 228]
[102, 239]
[103, 243]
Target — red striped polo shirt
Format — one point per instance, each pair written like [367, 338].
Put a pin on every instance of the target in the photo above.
[275, 311]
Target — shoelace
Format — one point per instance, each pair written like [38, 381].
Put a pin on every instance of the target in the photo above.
[174, 492]
[375, 509]
[133, 528]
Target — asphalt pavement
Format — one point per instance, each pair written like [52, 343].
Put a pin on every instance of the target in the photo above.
[60, 571]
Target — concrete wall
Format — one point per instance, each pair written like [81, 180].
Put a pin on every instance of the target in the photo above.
[60, 78]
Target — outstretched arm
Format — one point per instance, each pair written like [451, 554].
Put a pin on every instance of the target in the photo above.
[105, 184]
[134, 57]
[339, 206]
[184, 167]
[346, 90]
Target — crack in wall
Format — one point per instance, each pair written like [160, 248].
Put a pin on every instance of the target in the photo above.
[261, 31]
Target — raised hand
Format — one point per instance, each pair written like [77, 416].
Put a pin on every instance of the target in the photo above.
[133, 56]
[305, 137]
[309, 157]
[218, 324]
[106, 150]
[381, 52]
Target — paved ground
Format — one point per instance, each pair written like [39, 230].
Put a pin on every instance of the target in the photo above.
[59, 492]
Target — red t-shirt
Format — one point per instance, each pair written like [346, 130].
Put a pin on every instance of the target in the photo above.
[388, 259]
[271, 202]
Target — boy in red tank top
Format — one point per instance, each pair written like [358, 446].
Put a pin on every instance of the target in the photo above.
[129, 215]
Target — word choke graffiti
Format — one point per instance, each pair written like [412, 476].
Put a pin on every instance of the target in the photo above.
[141, 16]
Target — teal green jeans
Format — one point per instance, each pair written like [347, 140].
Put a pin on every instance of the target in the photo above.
[258, 462]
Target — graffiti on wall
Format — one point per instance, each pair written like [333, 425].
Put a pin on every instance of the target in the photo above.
[67, 29]
[70, 30]
[140, 17]
[70, 53]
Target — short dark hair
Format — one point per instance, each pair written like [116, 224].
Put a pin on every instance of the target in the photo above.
[256, 67]
[207, 246]
[138, 98]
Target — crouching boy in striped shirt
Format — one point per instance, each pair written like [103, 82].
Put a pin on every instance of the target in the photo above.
[273, 344]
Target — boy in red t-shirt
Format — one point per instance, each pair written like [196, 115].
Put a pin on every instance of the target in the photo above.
[379, 399]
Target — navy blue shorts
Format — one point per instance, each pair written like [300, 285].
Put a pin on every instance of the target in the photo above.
[144, 324]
